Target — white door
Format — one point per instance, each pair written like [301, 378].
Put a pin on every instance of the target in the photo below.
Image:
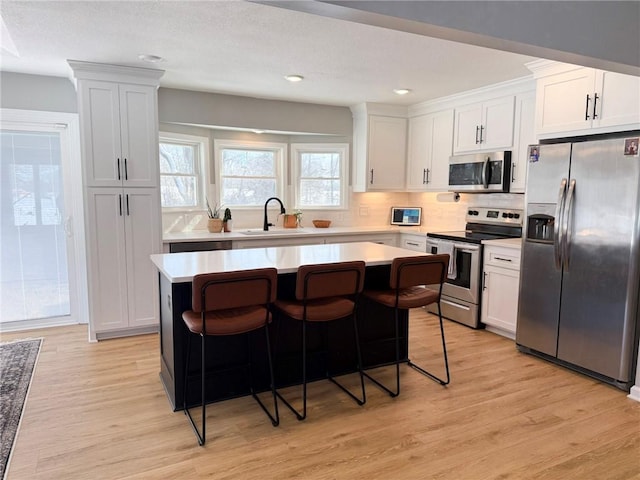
[466, 136]
[41, 245]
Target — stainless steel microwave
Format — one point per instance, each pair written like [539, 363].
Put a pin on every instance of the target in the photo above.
[480, 173]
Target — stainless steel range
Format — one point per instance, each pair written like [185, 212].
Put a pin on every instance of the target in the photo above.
[461, 294]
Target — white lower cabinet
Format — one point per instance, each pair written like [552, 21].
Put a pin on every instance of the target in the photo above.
[500, 286]
[123, 231]
[415, 242]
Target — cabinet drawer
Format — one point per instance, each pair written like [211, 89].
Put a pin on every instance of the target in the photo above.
[502, 257]
[415, 243]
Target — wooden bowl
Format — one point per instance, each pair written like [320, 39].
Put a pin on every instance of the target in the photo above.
[321, 223]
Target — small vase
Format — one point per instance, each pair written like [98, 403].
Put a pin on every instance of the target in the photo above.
[226, 226]
[290, 221]
[214, 225]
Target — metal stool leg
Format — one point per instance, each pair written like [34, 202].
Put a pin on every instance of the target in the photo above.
[444, 350]
[201, 437]
[275, 418]
[304, 379]
[391, 393]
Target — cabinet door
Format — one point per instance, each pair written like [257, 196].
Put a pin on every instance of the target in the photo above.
[100, 117]
[386, 153]
[139, 133]
[141, 212]
[419, 152]
[107, 260]
[619, 100]
[497, 124]
[441, 150]
[525, 136]
[500, 298]
[561, 101]
[466, 136]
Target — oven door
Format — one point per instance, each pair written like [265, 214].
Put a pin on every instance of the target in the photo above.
[488, 172]
[465, 285]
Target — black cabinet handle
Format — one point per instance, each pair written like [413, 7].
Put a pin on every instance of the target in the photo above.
[424, 176]
[371, 181]
[118, 163]
[513, 172]
[595, 102]
[120, 203]
[428, 175]
[126, 175]
[481, 130]
[484, 281]
[586, 108]
[477, 130]
[127, 204]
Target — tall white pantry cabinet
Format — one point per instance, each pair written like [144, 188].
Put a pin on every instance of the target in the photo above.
[118, 109]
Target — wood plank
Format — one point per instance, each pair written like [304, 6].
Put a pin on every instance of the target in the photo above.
[98, 410]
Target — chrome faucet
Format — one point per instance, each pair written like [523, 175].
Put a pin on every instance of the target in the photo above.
[266, 222]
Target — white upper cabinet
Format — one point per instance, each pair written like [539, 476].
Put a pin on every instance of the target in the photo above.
[524, 136]
[379, 150]
[581, 100]
[484, 126]
[429, 148]
[120, 134]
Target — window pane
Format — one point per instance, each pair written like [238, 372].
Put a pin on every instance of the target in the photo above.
[22, 193]
[247, 191]
[255, 163]
[175, 158]
[50, 195]
[179, 191]
[319, 192]
[320, 165]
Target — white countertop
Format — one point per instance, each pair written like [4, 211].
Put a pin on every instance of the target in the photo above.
[505, 242]
[274, 232]
[181, 267]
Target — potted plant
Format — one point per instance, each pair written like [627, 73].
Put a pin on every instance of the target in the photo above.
[214, 225]
[292, 220]
[226, 220]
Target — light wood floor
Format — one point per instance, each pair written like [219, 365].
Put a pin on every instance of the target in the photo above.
[98, 411]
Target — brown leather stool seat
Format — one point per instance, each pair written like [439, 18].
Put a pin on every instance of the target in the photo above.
[325, 292]
[408, 283]
[229, 303]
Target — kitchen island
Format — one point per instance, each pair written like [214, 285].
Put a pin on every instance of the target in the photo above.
[176, 271]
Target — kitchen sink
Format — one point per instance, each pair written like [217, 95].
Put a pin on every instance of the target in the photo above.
[277, 231]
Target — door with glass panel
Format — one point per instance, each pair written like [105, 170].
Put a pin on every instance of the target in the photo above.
[37, 281]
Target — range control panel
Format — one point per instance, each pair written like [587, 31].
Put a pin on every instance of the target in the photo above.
[500, 216]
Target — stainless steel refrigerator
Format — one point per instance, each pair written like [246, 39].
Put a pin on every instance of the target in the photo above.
[579, 287]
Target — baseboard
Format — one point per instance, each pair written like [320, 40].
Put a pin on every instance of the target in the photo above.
[635, 393]
[127, 332]
[33, 324]
[500, 331]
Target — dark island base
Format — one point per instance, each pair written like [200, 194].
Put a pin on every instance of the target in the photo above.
[227, 357]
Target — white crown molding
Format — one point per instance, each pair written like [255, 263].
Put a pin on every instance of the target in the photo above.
[544, 68]
[379, 109]
[115, 73]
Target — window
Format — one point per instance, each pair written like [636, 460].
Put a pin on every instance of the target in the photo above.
[182, 170]
[320, 175]
[249, 172]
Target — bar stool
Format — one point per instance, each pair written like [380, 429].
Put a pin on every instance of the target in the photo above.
[408, 280]
[229, 303]
[324, 293]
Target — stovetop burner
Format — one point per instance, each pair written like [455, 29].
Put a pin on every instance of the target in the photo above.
[486, 224]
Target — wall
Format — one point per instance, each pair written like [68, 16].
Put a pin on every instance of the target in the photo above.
[216, 110]
[37, 92]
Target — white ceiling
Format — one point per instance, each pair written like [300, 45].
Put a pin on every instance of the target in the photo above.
[242, 48]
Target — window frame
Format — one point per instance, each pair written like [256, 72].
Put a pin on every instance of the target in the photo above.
[297, 149]
[201, 167]
[280, 174]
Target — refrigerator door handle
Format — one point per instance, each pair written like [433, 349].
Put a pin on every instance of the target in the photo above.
[557, 230]
[568, 221]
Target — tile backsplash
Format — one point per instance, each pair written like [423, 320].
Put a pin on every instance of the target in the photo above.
[365, 209]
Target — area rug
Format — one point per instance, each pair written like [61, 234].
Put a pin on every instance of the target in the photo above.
[17, 363]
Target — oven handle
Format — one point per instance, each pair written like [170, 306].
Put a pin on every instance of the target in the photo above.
[463, 247]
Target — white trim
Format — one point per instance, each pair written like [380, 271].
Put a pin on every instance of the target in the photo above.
[73, 178]
[634, 394]
[281, 173]
[203, 167]
[115, 73]
[343, 150]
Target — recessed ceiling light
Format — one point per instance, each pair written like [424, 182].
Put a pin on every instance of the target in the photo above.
[401, 91]
[258, 131]
[294, 78]
[150, 58]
